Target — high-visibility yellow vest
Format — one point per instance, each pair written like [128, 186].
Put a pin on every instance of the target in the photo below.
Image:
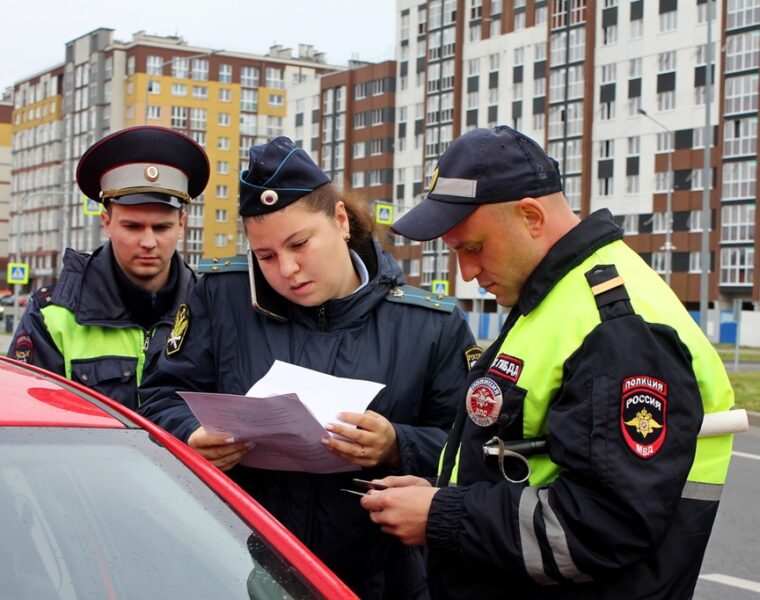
[547, 337]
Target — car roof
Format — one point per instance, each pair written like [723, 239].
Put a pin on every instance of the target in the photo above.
[32, 398]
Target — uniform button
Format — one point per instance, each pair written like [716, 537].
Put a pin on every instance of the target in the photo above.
[85, 377]
[127, 373]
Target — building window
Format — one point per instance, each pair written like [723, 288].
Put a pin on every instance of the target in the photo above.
[180, 67]
[200, 69]
[737, 266]
[275, 100]
[737, 223]
[249, 77]
[223, 143]
[742, 13]
[668, 21]
[740, 137]
[154, 65]
[741, 94]
[223, 119]
[179, 89]
[222, 167]
[198, 118]
[220, 240]
[274, 126]
[606, 186]
[274, 78]
[200, 92]
[637, 29]
[631, 225]
[666, 100]
[179, 117]
[225, 95]
[632, 184]
[220, 215]
[739, 180]
[222, 191]
[249, 100]
[609, 35]
[225, 73]
[154, 112]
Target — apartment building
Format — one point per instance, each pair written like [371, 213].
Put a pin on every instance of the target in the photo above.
[6, 111]
[345, 120]
[226, 101]
[618, 92]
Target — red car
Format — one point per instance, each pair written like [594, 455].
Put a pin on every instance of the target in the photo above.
[98, 502]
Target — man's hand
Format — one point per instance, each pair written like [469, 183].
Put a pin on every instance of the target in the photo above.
[221, 450]
[401, 510]
[368, 440]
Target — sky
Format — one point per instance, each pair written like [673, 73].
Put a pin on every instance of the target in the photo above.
[35, 32]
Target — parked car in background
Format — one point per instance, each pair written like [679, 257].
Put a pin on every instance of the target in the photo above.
[98, 502]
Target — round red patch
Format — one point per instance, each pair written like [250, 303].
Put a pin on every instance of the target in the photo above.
[484, 401]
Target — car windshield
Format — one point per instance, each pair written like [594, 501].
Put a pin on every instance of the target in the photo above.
[106, 513]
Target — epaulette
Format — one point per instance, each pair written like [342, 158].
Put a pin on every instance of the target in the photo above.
[407, 294]
[43, 296]
[223, 265]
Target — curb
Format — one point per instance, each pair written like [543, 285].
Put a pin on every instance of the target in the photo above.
[754, 419]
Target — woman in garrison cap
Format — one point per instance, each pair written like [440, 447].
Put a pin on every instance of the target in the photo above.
[325, 297]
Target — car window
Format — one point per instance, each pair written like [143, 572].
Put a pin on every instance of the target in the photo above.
[106, 513]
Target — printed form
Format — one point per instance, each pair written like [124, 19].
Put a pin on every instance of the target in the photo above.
[285, 414]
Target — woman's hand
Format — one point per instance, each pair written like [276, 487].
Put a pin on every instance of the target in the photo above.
[370, 443]
[221, 450]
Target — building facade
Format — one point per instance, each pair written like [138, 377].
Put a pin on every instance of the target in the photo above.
[620, 93]
[226, 101]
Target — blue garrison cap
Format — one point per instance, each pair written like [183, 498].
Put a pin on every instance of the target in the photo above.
[279, 173]
[484, 166]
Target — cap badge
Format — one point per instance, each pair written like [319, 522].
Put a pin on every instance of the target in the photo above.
[151, 173]
[269, 197]
[433, 180]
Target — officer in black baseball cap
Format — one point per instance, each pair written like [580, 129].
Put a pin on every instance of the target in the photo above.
[484, 166]
[111, 311]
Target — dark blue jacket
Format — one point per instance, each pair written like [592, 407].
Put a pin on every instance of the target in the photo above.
[416, 351]
[91, 288]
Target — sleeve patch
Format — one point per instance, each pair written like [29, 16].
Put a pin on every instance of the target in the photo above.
[179, 330]
[472, 355]
[643, 414]
[24, 348]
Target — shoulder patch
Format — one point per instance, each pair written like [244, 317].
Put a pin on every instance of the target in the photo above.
[407, 294]
[23, 350]
[179, 330]
[223, 265]
[472, 355]
[43, 296]
[643, 414]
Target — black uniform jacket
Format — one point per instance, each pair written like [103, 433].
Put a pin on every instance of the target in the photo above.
[91, 288]
[627, 527]
[417, 352]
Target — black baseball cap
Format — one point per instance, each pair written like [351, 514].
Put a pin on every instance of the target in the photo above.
[484, 166]
[144, 165]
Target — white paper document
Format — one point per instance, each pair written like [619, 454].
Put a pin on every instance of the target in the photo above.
[285, 414]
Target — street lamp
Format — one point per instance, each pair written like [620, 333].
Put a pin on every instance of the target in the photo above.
[668, 247]
[161, 71]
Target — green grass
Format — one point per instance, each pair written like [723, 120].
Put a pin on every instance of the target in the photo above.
[746, 354]
[746, 389]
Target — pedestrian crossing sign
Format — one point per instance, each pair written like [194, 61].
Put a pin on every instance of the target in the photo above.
[18, 273]
[91, 207]
[440, 286]
[383, 213]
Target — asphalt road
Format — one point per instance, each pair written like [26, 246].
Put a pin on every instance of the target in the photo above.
[730, 570]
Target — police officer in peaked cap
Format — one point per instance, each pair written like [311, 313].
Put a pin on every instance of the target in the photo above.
[111, 311]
